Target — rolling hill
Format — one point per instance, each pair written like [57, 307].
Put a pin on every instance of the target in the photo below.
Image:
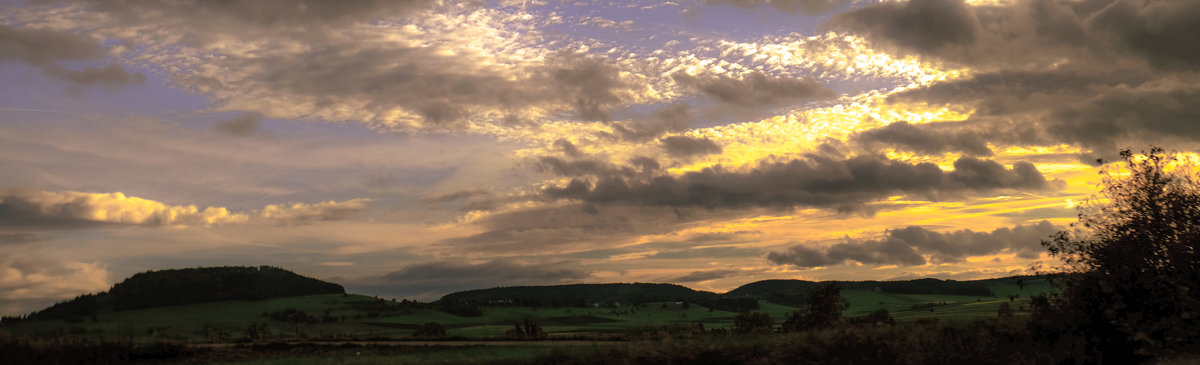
[228, 303]
[190, 286]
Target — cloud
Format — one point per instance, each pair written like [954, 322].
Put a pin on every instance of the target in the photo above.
[817, 181]
[109, 76]
[673, 118]
[44, 48]
[789, 6]
[70, 209]
[245, 125]
[683, 146]
[707, 275]
[565, 226]
[922, 139]
[407, 65]
[912, 245]
[30, 282]
[568, 148]
[19, 238]
[922, 25]
[429, 280]
[300, 213]
[300, 15]
[1095, 74]
[1095, 118]
[754, 89]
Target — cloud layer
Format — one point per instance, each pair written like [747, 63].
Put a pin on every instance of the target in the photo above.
[816, 181]
[915, 246]
[70, 209]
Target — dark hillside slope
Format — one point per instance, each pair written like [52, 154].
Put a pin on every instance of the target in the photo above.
[188, 286]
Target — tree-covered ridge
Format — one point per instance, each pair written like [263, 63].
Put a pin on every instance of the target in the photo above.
[788, 292]
[793, 291]
[193, 285]
[579, 295]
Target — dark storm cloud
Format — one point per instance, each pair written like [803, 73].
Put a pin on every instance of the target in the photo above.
[1103, 121]
[698, 276]
[590, 85]
[755, 89]
[1109, 119]
[433, 279]
[909, 246]
[40, 47]
[1163, 32]
[261, 13]
[817, 181]
[44, 48]
[922, 25]
[924, 139]
[683, 146]
[1009, 92]
[1048, 72]
[673, 118]
[567, 148]
[638, 166]
[1031, 32]
[789, 6]
[245, 125]
[18, 210]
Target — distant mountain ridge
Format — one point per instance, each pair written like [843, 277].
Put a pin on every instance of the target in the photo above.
[579, 294]
[189, 286]
[782, 291]
[785, 291]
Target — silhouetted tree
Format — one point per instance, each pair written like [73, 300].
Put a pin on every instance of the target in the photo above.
[753, 322]
[1005, 311]
[823, 309]
[430, 330]
[527, 329]
[1135, 260]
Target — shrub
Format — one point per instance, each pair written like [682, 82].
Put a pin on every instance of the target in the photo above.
[430, 330]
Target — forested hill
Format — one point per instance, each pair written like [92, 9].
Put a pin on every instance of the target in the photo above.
[196, 285]
[579, 295]
[789, 290]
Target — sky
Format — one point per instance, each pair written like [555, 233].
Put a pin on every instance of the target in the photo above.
[412, 148]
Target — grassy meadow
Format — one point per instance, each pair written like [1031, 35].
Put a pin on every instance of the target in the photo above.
[344, 317]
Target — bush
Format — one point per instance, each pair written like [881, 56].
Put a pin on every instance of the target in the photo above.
[430, 330]
[1134, 259]
[753, 322]
[527, 329]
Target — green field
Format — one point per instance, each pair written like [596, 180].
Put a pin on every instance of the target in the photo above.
[229, 319]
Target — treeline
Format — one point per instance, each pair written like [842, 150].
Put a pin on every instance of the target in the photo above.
[794, 292]
[187, 286]
[786, 292]
[577, 295]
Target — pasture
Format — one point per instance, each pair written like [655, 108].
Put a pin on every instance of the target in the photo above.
[346, 317]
